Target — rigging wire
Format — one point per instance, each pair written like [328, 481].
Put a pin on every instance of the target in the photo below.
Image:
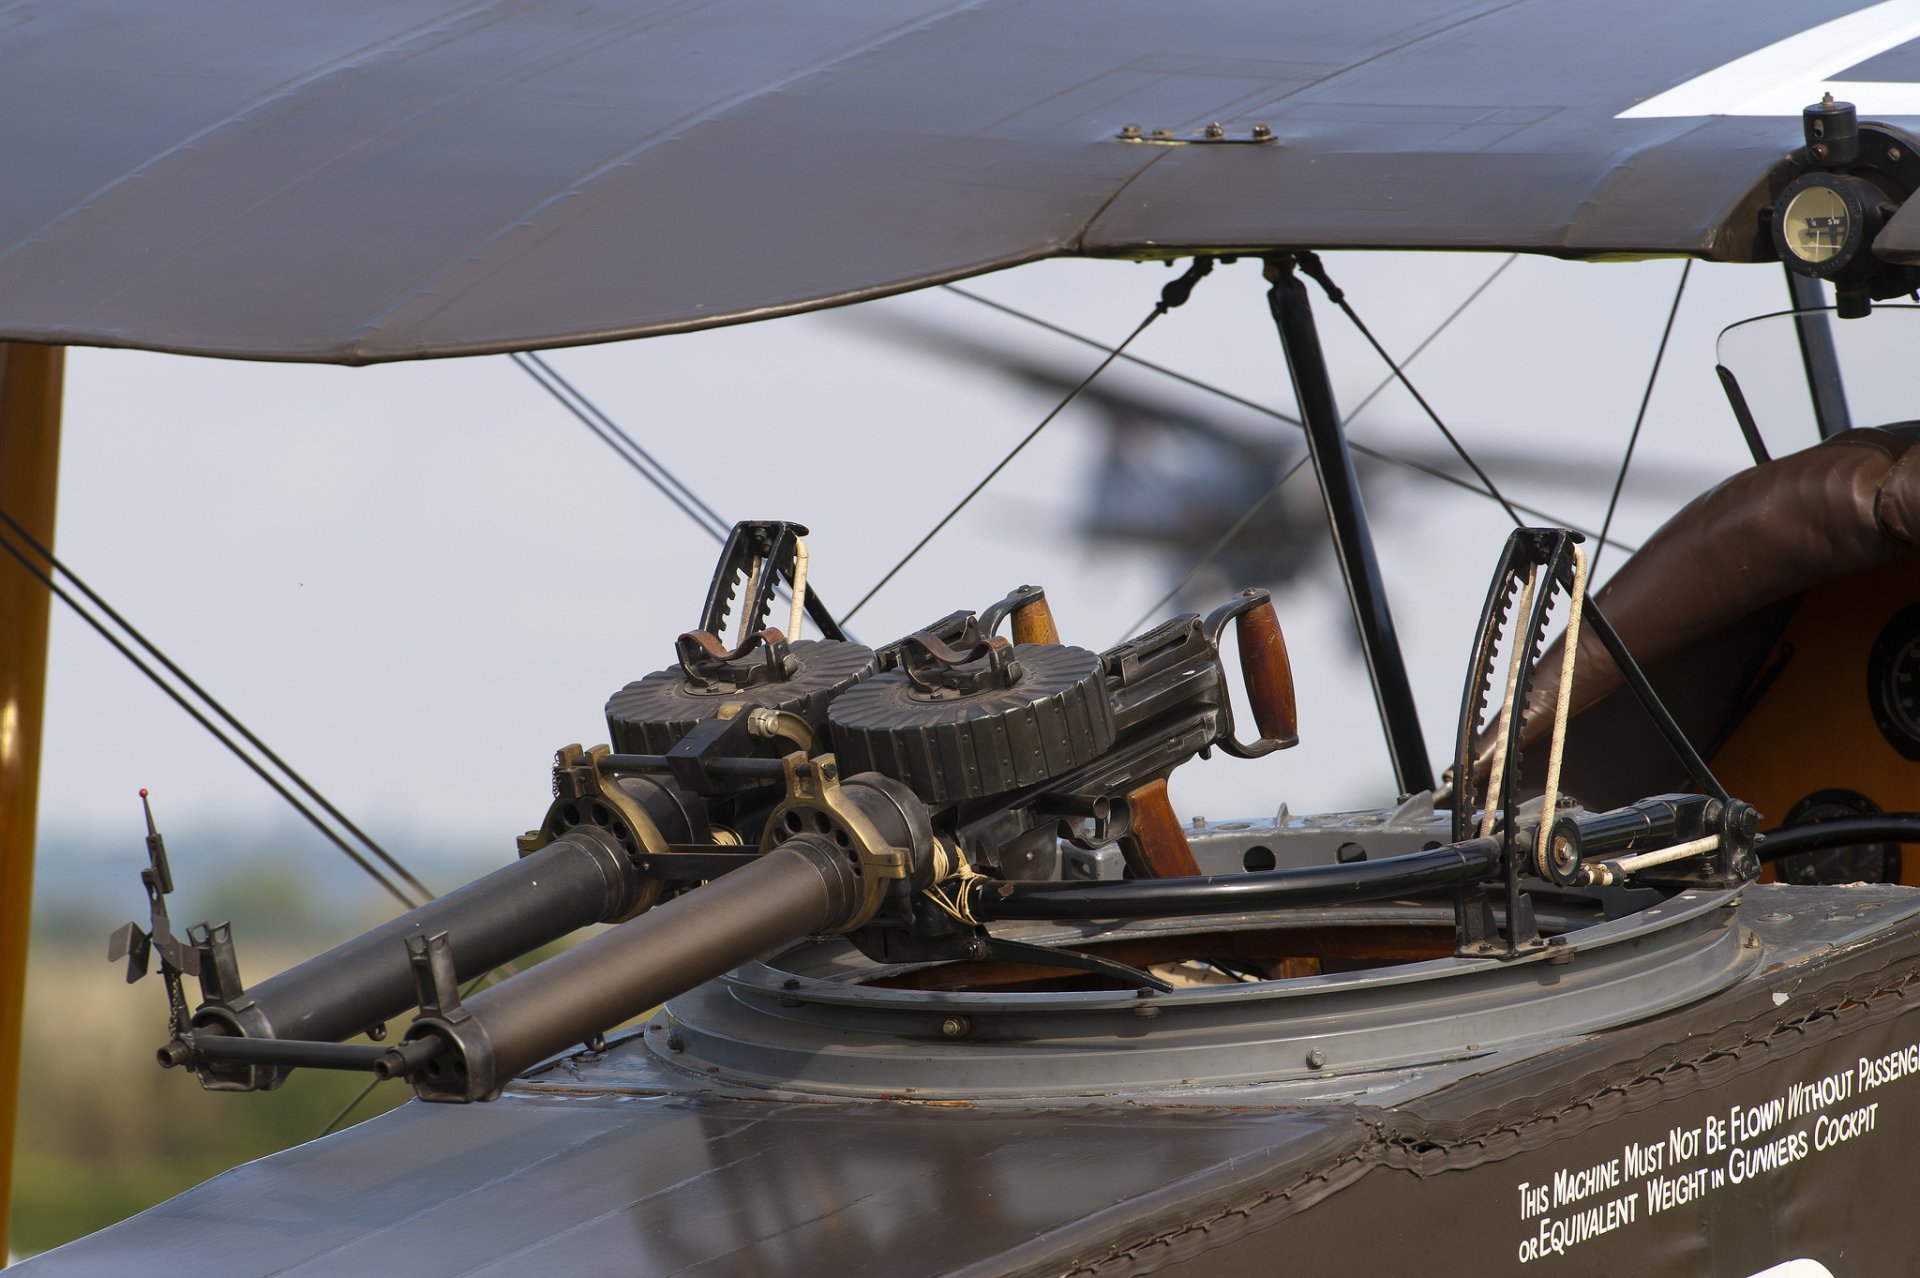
[1214, 550]
[1227, 537]
[306, 787]
[46, 579]
[643, 463]
[1365, 450]
[1640, 418]
[1430, 338]
[1311, 265]
[1175, 294]
[647, 466]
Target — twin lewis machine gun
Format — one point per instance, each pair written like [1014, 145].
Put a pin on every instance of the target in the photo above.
[910, 799]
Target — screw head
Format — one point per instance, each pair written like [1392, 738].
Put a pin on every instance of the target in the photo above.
[1316, 1059]
[1132, 131]
[955, 1026]
[1216, 130]
[1261, 132]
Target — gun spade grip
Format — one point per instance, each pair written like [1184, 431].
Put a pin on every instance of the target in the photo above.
[1157, 846]
[1034, 624]
[1268, 673]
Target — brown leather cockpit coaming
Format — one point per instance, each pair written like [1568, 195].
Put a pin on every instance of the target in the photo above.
[1703, 605]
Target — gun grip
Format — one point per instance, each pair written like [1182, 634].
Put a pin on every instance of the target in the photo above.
[1157, 847]
[1268, 673]
[1033, 623]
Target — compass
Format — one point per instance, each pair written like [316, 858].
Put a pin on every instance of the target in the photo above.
[1893, 681]
[1823, 221]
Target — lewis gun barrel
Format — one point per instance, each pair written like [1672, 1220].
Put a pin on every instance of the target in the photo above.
[580, 879]
[469, 1051]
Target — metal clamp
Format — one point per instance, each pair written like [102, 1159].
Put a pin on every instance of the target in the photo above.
[816, 803]
[586, 793]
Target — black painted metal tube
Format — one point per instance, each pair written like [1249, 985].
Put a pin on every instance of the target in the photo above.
[1818, 355]
[764, 769]
[1817, 836]
[1352, 539]
[1656, 709]
[222, 1049]
[1621, 829]
[1470, 862]
[801, 887]
[580, 878]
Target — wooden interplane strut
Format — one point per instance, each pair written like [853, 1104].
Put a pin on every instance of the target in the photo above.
[30, 385]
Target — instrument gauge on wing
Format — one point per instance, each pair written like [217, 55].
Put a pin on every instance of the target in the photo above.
[1824, 221]
[1893, 681]
[1816, 223]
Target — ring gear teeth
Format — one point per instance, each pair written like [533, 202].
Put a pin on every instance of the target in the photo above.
[650, 715]
[951, 747]
[1469, 794]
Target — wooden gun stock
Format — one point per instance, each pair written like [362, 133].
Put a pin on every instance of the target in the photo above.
[1157, 847]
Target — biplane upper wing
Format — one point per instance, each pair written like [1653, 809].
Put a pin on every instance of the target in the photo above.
[394, 179]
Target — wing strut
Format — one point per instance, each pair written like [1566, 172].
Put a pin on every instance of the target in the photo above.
[31, 378]
[1352, 539]
[1818, 354]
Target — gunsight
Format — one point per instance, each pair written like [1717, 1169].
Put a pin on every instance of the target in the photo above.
[769, 788]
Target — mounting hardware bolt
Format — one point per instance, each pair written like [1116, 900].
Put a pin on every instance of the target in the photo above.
[1316, 1059]
[955, 1026]
[1215, 131]
[1261, 133]
[1131, 133]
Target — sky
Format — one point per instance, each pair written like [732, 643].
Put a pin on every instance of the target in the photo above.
[416, 581]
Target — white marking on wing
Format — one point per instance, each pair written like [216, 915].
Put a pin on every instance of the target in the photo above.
[1784, 77]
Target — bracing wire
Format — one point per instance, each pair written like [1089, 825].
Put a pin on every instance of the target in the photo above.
[46, 579]
[643, 463]
[1311, 265]
[213, 703]
[1225, 539]
[534, 358]
[1158, 310]
[1432, 337]
[1240, 524]
[1365, 450]
[1639, 418]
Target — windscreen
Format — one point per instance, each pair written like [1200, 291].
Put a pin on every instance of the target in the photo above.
[1877, 358]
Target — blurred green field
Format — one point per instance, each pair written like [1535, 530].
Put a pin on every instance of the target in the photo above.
[104, 1132]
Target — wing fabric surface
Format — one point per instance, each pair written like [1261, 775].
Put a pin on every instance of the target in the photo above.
[373, 181]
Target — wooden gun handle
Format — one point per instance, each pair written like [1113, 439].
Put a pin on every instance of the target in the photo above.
[1157, 847]
[1033, 623]
[1268, 673]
